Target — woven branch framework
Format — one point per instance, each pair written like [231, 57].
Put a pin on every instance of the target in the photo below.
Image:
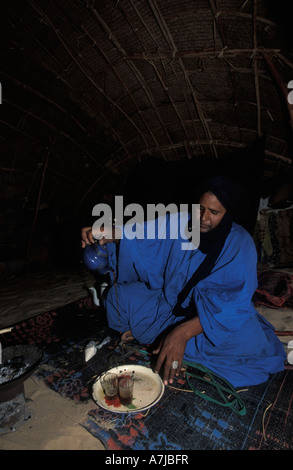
[100, 85]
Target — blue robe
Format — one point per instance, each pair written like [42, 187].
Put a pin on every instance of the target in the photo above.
[237, 343]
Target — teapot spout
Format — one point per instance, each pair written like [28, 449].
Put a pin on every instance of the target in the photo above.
[95, 296]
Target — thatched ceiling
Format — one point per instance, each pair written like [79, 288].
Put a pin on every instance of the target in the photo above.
[90, 87]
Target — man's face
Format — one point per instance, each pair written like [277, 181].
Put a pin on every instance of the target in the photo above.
[211, 212]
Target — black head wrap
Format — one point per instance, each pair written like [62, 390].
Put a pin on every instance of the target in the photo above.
[232, 197]
[230, 194]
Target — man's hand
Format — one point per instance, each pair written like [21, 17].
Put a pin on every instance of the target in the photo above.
[173, 346]
[171, 349]
[103, 235]
[87, 236]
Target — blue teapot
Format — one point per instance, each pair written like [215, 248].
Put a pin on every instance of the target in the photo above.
[95, 258]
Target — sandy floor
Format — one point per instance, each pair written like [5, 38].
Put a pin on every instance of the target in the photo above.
[54, 422]
[53, 425]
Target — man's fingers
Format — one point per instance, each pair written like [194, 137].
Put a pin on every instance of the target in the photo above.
[159, 363]
[86, 236]
[90, 237]
[158, 348]
[170, 371]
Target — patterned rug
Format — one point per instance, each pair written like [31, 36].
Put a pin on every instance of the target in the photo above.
[181, 420]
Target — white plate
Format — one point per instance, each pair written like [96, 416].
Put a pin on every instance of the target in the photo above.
[147, 390]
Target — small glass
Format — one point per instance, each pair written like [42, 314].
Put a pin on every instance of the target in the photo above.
[125, 390]
[110, 385]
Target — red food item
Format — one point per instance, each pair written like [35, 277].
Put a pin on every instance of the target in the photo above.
[113, 402]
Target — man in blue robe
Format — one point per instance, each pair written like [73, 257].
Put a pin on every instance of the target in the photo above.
[199, 302]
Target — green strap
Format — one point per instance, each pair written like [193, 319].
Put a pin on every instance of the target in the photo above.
[225, 389]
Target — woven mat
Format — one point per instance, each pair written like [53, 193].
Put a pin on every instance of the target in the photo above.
[181, 420]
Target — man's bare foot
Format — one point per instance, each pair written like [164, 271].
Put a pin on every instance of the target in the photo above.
[127, 336]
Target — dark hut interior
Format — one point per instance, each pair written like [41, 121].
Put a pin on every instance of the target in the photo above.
[145, 99]
[139, 98]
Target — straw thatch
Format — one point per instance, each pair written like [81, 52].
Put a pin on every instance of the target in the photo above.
[92, 87]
